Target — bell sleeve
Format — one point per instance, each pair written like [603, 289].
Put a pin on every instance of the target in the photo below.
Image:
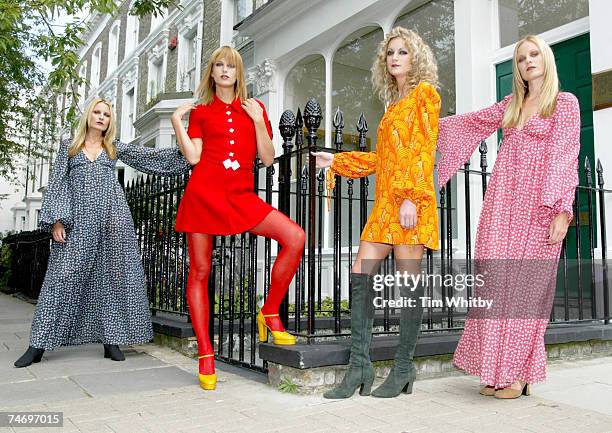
[150, 160]
[352, 165]
[561, 169]
[57, 201]
[459, 135]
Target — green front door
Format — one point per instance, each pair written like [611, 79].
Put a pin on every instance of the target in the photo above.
[573, 61]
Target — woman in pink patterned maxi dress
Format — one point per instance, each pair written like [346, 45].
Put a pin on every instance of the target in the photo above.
[525, 215]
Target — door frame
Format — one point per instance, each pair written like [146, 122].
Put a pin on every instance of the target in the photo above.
[551, 37]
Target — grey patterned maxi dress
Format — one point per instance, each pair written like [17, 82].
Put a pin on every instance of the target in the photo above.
[94, 289]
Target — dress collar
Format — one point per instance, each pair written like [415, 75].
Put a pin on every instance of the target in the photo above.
[236, 104]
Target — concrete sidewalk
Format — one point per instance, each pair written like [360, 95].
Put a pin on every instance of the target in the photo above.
[155, 390]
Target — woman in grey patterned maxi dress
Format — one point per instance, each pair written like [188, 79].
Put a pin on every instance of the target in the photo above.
[94, 289]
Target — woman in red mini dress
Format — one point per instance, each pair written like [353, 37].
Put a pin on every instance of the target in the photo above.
[225, 134]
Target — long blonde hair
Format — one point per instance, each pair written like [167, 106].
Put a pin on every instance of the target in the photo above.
[109, 135]
[206, 88]
[423, 65]
[550, 86]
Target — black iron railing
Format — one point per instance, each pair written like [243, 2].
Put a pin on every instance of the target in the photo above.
[29, 252]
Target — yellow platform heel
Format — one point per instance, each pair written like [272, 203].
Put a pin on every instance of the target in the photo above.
[208, 381]
[279, 337]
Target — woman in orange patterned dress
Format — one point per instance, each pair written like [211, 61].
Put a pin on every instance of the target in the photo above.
[404, 218]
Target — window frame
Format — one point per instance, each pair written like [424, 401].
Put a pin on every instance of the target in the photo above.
[96, 67]
[112, 60]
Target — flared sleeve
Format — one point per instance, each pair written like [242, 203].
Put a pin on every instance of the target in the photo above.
[352, 165]
[413, 177]
[150, 160]
[561, 169]
[57, 201]
[459, 135]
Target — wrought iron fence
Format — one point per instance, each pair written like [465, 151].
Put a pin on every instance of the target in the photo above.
[29, 257]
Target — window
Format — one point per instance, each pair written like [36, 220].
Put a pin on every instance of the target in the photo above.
[83, 85]
[158, 20]
[242, 9]
[113, 48]
[128, 118]
[40, 174]
[131, 35]
[519, 18]
[33, 178]
[352, 92]
[305, 80]
[248, 61]
[435, 23]
[156, 78]
[352, 85]
[187, 80]
[95, 67]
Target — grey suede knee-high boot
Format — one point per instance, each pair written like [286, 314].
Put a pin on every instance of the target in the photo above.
[360, 373]
[402, 375]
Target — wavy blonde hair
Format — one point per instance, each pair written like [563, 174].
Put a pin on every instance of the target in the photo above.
[423, 66]
[550, 86]
[109, 135]
[206, 89]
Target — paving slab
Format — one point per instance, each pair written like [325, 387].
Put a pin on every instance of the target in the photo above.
[10, 374]
[133, 381]
[592, 396]
[18, 393]
[97, 365]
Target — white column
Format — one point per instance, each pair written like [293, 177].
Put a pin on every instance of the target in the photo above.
[475, 43]
[329, 109]
[227, 22]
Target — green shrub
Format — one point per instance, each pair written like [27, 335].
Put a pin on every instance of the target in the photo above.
[236, 305]
[6, 260]
[325, 309]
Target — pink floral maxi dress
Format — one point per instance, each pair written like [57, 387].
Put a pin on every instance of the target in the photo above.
[534, 179]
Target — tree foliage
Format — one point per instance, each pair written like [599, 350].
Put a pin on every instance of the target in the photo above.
[30, 36]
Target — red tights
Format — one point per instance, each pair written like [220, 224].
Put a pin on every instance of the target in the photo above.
[275, 225]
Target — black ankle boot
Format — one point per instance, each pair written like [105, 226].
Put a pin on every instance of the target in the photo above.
[32, 355]
[113, 352]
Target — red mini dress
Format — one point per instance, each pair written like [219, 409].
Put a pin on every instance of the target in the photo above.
[219, 198]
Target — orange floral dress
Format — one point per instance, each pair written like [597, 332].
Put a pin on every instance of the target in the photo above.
[404, 164]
